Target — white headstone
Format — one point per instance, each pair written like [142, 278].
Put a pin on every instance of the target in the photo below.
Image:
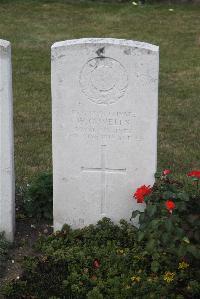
[105, 102]
[7, 209]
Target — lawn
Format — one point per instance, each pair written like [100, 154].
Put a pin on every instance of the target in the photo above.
[33, 26]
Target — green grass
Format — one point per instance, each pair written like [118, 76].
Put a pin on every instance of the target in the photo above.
[32, 27]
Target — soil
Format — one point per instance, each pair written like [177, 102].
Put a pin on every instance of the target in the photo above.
[27, 232]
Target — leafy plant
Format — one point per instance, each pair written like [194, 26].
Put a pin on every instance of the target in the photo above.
[4, 247]
[157, 260]
[102, 261]
[170, 222]
[38, 197]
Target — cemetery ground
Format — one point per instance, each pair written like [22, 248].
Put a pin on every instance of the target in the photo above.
[32, 27]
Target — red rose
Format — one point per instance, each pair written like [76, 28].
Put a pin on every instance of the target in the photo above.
[170, 205]
[194, 173]
[166, 171]
[142, 192]
[96, 264]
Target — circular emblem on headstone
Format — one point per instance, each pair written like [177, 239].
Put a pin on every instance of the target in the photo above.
[103, 80]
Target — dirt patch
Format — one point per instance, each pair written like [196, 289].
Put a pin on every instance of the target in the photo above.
[27, 232]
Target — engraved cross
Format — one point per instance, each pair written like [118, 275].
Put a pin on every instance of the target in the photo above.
[103, 170]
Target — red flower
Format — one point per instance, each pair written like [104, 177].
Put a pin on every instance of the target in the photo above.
[170, 205]
[166, 171]
[194, 173]
[142, 192]
[96, 264]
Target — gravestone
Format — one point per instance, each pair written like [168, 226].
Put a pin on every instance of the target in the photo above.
[105, 95]
[7, 214]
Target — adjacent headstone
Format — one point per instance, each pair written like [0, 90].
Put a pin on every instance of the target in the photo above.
[105, 95]
[6, 143]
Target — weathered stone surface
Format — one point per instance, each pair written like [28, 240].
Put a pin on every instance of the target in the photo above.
[105, 94]
[7, 210]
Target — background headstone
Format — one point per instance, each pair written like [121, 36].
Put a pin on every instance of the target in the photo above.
[7, 208]
[105, 95]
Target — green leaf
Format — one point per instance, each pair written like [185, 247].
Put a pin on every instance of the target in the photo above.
[181, 250]
[169, 225]
[165, 238]
[193, 250]
[151, 210]
[155, 256]
[179, 233]
[183, 196]
[155, 223]
[197, 236]
[140, 236]
[150, 245]
[193, 218]
[135, 213]
[194, 179]
[142, 218]
[186, 240]
[155, 266]
[158, 174]
[168, 195]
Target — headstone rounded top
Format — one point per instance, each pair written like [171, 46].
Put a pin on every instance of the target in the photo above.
[111, 41]
[4, 43]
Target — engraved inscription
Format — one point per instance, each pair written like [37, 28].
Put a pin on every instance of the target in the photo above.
[103, 80]
[103, 125]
